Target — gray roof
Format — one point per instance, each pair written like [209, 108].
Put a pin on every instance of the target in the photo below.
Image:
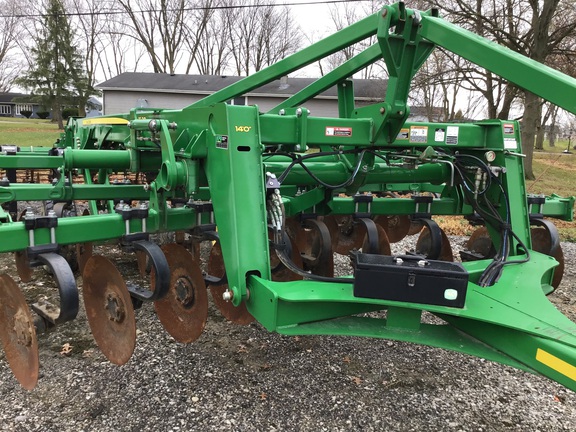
[208, 84]
[9, 97]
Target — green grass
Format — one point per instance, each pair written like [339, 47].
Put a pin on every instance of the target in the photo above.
[28, 132]
[555, 174]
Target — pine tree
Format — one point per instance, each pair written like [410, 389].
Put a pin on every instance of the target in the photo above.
[56, 77]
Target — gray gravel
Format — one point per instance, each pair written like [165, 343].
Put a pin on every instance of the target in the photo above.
[246, 379]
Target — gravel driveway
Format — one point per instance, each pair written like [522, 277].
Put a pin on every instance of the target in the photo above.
[242, 378]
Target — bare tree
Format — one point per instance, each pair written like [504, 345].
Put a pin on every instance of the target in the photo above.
[213, 53]
[121, 53]
[261, 34]
[195, 28]
[343, 16]
[157, 25]
[10, 65]
[537, 29]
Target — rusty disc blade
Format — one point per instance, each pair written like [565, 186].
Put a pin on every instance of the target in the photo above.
[350, 235]
[143, 263]
[184, 310]
[423, 244]
[541, 242]
[18, 333]
[23, 266]
[109, 309]
[415, 227]
[237, 315]
[280, 273]
[480, 242]
[383, 242]
[83, 254]
[334, 229]
[396, 226]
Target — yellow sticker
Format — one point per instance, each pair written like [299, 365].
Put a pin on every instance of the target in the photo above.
[404, 134]
[555, 363]
[104, 121]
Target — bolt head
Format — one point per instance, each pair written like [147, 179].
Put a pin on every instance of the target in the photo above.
[227, 295]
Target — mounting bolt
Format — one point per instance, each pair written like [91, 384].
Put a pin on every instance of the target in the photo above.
[384, 13]
[227, 295]
[365, 168]
[299, 112]
[382, 110]
[282, 112]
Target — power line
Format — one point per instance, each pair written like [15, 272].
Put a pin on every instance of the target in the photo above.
[195, 8]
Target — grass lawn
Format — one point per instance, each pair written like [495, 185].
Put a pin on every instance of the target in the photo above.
[28, 132]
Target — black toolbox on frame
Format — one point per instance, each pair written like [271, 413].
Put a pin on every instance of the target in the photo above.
[410, 278]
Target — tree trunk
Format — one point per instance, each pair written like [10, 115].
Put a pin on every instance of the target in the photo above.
[540, 138]
[552, 131]
[529, 123]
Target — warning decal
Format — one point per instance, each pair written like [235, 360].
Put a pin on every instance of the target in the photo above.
[452, 135]
[404, 134]
[419, 134]
[439, 134]
[508, 129]
[339, 131]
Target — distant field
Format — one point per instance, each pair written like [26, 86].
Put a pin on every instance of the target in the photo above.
[25, 132]
[555, 171]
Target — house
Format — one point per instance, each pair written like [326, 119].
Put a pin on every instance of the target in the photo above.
[10, 107]
[154, 90]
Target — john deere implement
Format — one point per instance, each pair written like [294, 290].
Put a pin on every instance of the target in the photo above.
[276, 194]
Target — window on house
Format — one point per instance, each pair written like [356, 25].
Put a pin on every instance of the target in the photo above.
[239, 101]
[5, 109]
[22, 107]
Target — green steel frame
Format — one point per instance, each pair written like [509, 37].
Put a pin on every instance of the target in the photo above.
[224, 154]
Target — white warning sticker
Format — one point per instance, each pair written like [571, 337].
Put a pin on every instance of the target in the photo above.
[439, 134]
[510, 144]
[339, 131]
[452, 135]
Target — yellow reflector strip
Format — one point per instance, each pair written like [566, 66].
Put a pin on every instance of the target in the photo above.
[104, 120]
[557, 364]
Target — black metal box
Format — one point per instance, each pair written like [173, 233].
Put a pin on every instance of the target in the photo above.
[412, 279]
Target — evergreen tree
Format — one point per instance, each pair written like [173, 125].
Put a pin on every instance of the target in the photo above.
[56, 78]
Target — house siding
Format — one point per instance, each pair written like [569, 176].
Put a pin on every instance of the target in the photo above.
[117, 102]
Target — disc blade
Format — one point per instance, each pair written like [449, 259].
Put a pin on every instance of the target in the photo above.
[334, 229]
[423, 244]
[350, 235]
[183, 311]
[396, 226]
[236, 314]
[109, 309]
[23, 266]
[541, 242]
[18, 334]
[143, 263]
[280, 273]
[83, 254]
[415, 227]
[383, 242]
[480, 242]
